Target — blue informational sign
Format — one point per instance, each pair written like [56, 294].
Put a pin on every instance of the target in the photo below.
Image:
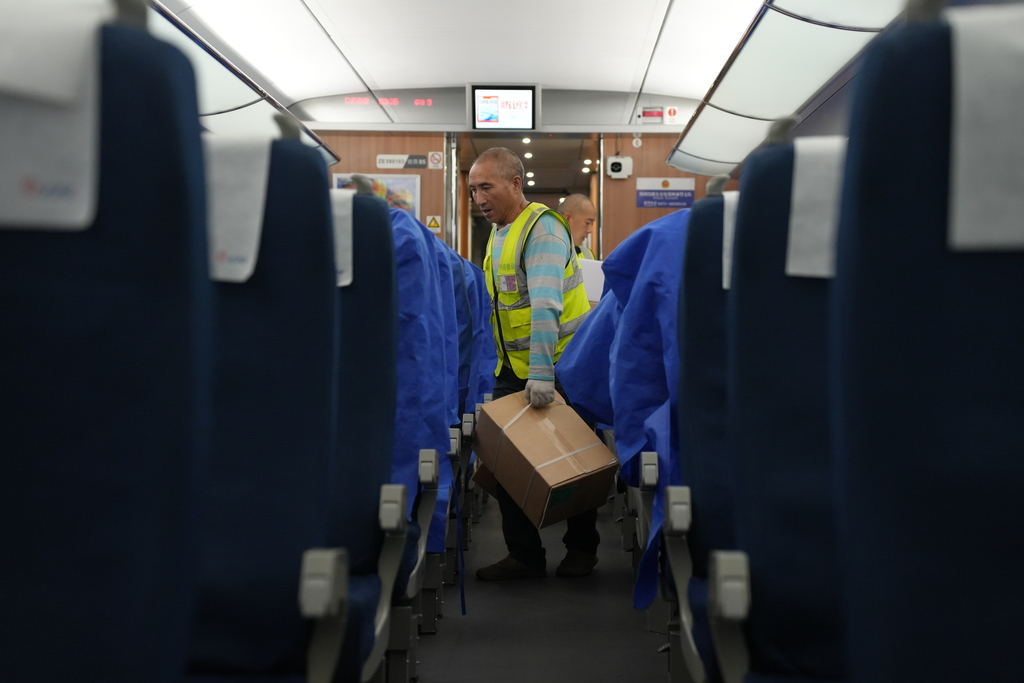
[664, 193]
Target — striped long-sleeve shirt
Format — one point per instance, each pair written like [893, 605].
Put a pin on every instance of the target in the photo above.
[545, 255]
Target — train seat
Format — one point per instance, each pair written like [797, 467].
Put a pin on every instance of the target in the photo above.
[643, 376]
[276, 346]
[702, 403]
[928, 354]
[439, 540]
[367, 390]
[104, 373]
[778, 420]
[421, 422]
[584, 368]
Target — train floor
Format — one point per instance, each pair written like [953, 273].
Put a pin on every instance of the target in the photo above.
[549, 630]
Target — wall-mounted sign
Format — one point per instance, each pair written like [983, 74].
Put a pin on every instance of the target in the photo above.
[672, 116]
[401, 161]
[434, 223]
[435, 160]
[652, 114]
[664, 193]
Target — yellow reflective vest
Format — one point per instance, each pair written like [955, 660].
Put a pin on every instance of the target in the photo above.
[512, 303]
[586, 253]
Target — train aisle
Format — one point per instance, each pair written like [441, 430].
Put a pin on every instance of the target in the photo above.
[547, 630]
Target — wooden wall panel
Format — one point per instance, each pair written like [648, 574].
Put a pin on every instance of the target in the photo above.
[358, 152]
[621, 217]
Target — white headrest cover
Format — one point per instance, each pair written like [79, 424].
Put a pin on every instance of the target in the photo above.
[341, 204]
[818, 164]
[986, 190]
[732, 202]
[49, 113]
[236, 194]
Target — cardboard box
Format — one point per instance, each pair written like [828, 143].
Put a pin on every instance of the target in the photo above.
[548, 459]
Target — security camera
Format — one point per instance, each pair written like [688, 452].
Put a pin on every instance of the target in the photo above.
[620, 167]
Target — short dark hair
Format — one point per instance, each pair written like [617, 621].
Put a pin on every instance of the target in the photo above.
[506, 161]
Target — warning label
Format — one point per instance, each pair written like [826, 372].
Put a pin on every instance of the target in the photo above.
[434, 223]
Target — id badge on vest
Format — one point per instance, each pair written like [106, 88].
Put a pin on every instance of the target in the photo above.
[506, 283]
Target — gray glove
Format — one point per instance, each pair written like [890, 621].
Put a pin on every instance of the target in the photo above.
[540, 392]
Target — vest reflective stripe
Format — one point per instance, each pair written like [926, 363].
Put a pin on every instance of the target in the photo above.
[514, 314]
[587, 253]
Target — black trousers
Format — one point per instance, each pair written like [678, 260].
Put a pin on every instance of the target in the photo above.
[521, 536]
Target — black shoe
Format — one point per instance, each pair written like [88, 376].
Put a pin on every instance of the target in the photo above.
[576, 563]
[510, 568]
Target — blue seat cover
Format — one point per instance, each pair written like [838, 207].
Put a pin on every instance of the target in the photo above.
[464, 320]
[927, 370]
[104, 385]
[584, 368]
[485, 351]
[421, 418]
[645, 367]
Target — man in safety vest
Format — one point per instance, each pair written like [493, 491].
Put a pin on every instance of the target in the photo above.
[538, 302]
[579, 212]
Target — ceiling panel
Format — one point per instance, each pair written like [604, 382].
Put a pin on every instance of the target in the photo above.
[280, 40]
[569, 44]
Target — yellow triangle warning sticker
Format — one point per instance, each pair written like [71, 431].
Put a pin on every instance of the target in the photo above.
[432, 222]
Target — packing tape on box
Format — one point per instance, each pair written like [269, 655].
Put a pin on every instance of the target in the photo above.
[501, 435]
[529, 484]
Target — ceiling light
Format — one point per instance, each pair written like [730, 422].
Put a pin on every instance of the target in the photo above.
[587, 162]
[586, 169]
[529, 174]
[530, 182]
[561, 199]
[528, 155]
[526, 141]
[749, 94]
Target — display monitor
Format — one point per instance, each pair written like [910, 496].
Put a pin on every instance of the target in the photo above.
[498, 107]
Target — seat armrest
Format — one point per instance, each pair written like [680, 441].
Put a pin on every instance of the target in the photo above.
[393, 504]
[677, 524]
[323, 596]
[729, 605]
[648, 471]
[393, 522]
[428, 474]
